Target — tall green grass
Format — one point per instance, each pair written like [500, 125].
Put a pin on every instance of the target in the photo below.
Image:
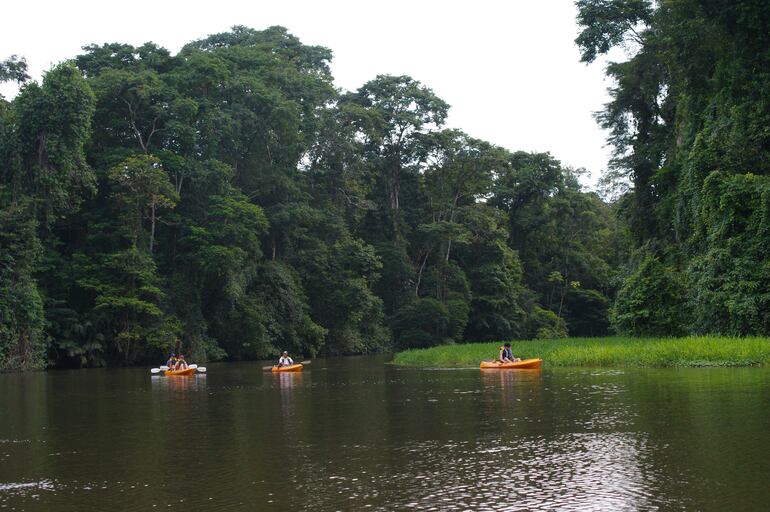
[691, 351]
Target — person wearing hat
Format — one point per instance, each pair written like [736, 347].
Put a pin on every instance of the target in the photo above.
[285, 360]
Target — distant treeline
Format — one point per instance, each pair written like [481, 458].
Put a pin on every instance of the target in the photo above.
[230, 202]
[230, 199]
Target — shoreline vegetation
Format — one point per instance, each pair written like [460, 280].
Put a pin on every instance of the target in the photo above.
[231, 201]
[616, 351]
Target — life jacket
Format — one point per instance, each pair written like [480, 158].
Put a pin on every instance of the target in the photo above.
[507, 353]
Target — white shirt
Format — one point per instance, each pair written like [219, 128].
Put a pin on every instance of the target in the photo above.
[285, 361]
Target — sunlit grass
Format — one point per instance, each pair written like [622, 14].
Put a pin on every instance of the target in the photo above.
[691, 351]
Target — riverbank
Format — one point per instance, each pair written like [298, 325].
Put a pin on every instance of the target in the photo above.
[692, 351]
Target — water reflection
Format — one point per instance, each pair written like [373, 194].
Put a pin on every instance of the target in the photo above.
[287, 381]
[12, 491]
[505, 379]
[519, 388]
[571, 472]
[196, 382]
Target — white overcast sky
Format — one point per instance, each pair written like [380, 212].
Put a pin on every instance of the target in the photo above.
[509, 68]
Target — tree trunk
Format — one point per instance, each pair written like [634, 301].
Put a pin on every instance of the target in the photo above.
[563, 291]
[451, 219]
[393, 193]
[419, 274]
[152, 227]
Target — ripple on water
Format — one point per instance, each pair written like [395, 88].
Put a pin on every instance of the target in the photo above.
[592, 471]
[11, 491]
[46, 485]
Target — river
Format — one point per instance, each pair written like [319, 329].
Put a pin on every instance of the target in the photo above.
[358, 434]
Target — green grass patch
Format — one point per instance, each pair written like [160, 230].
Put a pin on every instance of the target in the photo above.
[692, 351]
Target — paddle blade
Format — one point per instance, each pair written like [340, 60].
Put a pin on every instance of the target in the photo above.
[266, 368]
[201, 369]
[192, 366]
[164, 368]
[155, 370]
[305, 362]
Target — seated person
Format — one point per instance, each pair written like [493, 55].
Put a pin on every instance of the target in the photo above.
[285, 360]
[171, 363]
[181, 364]
[506, 356]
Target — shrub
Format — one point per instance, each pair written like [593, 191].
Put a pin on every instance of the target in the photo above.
[651, 302]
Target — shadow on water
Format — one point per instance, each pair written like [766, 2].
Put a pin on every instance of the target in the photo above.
[356, 434]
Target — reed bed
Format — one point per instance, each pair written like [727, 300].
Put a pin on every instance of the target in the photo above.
[691, 351]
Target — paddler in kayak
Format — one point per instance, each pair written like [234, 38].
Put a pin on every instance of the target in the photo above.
[506, 355]
[171, 363]
[285, 360]
[181, 364]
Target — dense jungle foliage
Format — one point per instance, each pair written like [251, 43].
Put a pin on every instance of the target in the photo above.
[230, 202]
[690, 123]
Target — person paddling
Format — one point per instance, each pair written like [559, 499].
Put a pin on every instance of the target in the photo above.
[181, 364]
[285, 360]
[171, 363]
[506, 355]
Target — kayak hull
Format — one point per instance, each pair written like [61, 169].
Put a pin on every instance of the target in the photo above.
[526, 364]
[179, 373]
[291, 368]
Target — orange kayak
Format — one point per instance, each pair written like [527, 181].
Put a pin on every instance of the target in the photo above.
[291, 368]
[171, 373]
[526, 364]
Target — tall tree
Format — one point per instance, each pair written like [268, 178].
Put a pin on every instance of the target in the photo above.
[396, 111]
[44, 178]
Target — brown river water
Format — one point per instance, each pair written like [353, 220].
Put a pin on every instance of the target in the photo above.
[358, 434]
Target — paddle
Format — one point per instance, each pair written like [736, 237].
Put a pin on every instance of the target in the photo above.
[304, 363]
